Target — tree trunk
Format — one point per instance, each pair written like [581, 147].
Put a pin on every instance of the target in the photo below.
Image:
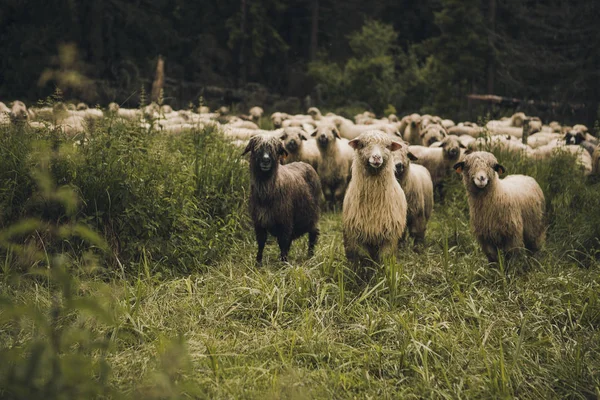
[314, 31]
[491, 70]
[241, 57]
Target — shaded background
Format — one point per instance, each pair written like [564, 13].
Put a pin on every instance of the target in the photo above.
[423, 56]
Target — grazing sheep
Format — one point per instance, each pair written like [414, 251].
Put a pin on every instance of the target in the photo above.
[350, 131]
[506, 214]
[284, 199]
[416, 182]
[439, 159]
[300, 147]
[448, 123]
[18, 113]
[82, 106]
[596, 161]
[277, 118]
[583, 157]
[433, 133]
[581, 128]
[256, 113]
[243, 124]
[466, 128]
[4, 108]
[577, 137]
[335, 162]
[374, 213]
[412, 131]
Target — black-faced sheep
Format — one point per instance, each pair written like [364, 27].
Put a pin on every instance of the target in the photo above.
[335, 162]
[506, 214]
[374, 213]
[284, 199]
[577, 137]
[416, 182]
[299, 147]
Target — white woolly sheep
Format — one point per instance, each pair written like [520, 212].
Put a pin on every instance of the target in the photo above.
[374, 212]
[506, 214]
[335, 162]
[256, 113]
[412, 131]
[416, 182]
[4, 108]
[439, 159]
[432, 133]
[596, 161]
[278, 117]
[18, 113]
[300, 147]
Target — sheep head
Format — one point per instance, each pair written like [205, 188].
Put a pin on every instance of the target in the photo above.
[574, 137]
[402, 159]
[479, 171]
[325, 135]
[292, 139]
[373, 150]
[265, 155]
[451, 146]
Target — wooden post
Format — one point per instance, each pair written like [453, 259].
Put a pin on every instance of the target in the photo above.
[525, 130]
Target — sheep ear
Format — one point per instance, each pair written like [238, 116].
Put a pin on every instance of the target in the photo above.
[336, 133]
[395, 146]
[461, 145]
[303, 136]
[458, 167]
[313, 133]
[354, 143]
[283, 136]
[499, 169]
[469, 151]
[248, 147]
[412, 157]
[282, 151]
[437, 144]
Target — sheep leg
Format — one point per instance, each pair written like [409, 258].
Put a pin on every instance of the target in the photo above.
[339, 193]
[285, 241]
[261, 238]
[417, 229]
[490, 251]
[313, 236]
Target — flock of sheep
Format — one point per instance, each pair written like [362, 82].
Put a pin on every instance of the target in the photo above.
[384, 172]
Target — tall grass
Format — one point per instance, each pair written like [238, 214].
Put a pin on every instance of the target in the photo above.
[128, 272]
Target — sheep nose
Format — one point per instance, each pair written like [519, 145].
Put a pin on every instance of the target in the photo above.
[265, 156]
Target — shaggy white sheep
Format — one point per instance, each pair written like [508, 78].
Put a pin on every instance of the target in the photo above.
[506, 214]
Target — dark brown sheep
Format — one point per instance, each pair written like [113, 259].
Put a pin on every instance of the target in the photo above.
[284, 199]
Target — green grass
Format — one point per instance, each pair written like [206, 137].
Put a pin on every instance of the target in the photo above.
[439, 323]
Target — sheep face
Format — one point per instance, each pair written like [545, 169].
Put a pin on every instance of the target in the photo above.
[451, 146]
[402, 159]
[374, 150]
[18, 112]
[325, 135]
[277, 119]
[479, 171]
[292, 139]
[314, 112]
[574, 137]
[433, 133]
[265, 154]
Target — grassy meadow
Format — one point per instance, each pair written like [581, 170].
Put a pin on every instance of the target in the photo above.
[127, 271]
